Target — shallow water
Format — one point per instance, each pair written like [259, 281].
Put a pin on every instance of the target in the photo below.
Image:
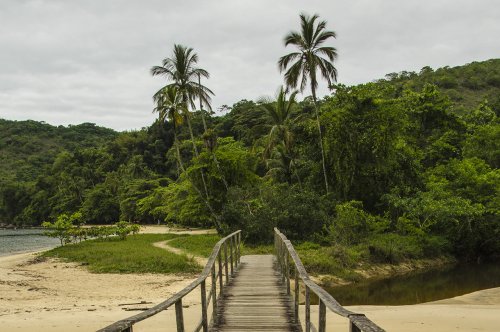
[22, 240]
[422, 287]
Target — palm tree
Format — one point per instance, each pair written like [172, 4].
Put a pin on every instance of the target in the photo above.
[303, 65]
[170, 106]
[181, 70]
[279, 114]
[279, 154]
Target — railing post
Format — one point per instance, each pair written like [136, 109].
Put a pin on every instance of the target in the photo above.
[287, 273]
[322, 317]
[296, 299]
[352, 327]
[239, 248]
[178, 316]
[221, 282]
[282, 256]
[214, 295]
[226, 262]
[204, 321]
[231, 249]
[308, 310]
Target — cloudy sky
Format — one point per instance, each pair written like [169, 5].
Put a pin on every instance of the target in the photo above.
[68, 61]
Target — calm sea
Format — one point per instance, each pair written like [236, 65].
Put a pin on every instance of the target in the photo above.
[23, 240]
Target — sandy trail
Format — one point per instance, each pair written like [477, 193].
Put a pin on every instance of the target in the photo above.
[57, 296]
[202, 261]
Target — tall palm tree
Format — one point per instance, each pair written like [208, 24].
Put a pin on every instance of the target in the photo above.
[181, 70]
[170, 106]
[302, 66]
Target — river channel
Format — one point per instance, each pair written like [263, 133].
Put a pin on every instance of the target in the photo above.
[420, 287]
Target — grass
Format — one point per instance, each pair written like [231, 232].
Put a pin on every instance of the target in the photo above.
[316, 259]
[202, 245]
[198, 245]
[136, 254]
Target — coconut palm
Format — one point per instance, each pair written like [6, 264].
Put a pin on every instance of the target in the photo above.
[181, 70]
[302, 66]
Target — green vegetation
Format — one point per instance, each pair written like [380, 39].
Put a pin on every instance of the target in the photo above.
[198, 245]
[401, 168]
[135, 255]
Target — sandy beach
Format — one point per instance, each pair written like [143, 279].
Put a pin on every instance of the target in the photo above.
[57, 296]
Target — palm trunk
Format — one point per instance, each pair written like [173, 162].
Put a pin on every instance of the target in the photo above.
[201, 107]
[179, 159]
[183, 170]
[320, 138]
[197, 154]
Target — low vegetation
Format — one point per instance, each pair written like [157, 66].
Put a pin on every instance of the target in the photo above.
[135, 255]
[69, 229]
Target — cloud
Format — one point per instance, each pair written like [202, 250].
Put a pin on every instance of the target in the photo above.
[88, 61]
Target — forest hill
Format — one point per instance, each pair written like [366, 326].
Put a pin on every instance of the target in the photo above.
[412, 163]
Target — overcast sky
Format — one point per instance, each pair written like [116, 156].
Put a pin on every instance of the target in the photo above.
[68, 61]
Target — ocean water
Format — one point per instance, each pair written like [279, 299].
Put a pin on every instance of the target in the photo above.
[14, 241]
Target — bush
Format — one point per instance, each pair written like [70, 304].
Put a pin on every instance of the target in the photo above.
[394, 248]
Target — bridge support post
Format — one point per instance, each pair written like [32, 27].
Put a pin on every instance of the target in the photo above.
[204, 320]
[231, 249]
[322, 317]
[287, 274]
[178, 316]
[308, 310]
[214, 295]
[225, 263]
[296, 299]
[221, 281]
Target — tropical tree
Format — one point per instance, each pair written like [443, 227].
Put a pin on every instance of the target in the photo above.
[181, 70]
[278, 153]
[302, 66]
[278, 112]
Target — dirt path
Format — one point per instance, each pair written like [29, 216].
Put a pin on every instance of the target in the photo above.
[202, 261]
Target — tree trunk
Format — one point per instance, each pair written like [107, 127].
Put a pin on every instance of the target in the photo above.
[320, 138]
[201, 107]
[197, 154]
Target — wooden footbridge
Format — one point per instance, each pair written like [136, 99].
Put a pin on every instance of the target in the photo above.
[254, 293]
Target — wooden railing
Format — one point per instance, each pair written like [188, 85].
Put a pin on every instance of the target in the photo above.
[226, 254]
[285, 252]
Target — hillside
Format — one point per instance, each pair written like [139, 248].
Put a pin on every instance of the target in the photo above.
[28, 148]
[466, 85]
[411, 169]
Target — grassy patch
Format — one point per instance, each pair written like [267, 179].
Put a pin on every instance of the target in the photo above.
[263, 249]
[202, 245]
[198, 245]
[335, 260]
[136, 254]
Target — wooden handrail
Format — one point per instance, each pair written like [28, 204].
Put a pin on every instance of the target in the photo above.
[223, 258]
[284, 250]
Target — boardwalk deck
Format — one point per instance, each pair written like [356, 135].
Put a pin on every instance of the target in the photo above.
[255, 299]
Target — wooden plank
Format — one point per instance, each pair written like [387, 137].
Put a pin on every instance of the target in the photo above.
[256, 300]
